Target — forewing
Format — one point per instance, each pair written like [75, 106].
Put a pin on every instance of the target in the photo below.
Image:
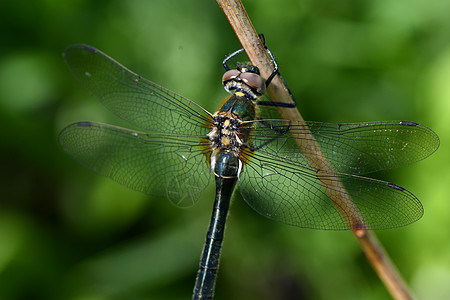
[355, 148]
[167, 165]
[133, 98]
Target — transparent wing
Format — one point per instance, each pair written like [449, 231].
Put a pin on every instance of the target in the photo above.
[279, 183]
[291, 193]
[133, 98]
[355, 148]
[167, 165]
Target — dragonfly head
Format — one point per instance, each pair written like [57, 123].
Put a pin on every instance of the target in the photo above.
[245, 78]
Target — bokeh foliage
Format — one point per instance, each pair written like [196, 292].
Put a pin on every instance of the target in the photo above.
[66, 233]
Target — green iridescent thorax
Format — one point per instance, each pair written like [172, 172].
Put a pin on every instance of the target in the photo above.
[239, 106]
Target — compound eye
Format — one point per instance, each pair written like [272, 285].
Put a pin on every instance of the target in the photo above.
[254, 81]
[230, 75]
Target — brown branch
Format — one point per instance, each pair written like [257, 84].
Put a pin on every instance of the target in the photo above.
[372, 248]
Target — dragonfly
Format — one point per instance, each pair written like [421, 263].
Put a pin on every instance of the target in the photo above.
[180, 145]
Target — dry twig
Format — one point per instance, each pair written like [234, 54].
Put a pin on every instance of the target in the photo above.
[372, 248]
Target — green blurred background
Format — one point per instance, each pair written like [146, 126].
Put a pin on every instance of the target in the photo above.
[67, 233]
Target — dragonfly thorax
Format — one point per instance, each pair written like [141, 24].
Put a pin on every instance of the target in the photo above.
[225, 132]
[228, 144]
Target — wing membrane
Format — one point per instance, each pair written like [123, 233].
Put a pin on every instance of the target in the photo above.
[291, 193]
[355, 148]
[161, 165]
[138, 101]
